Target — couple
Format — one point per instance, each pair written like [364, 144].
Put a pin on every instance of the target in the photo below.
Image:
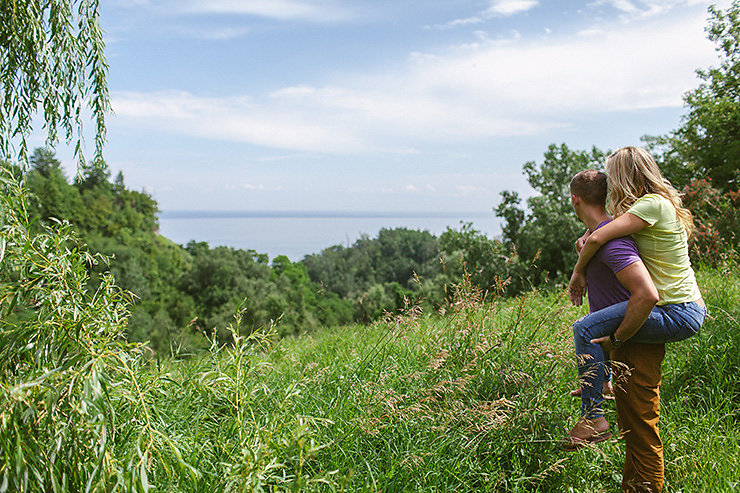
[642, 294]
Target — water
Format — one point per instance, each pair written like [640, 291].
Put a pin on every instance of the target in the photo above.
[296, 234]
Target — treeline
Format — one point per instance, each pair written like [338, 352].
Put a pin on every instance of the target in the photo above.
[181, 290]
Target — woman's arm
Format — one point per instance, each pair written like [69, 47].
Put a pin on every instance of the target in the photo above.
[624, 225]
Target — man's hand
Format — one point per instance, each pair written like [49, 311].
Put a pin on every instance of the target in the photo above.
[577, 288]
[582, 241]
[605, 342]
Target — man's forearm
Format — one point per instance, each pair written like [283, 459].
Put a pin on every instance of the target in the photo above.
[637, 312]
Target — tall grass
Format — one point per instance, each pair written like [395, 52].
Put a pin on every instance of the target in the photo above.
[473, 398]
[417, 401]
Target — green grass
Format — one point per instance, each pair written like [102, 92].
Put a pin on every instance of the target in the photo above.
[475, 399]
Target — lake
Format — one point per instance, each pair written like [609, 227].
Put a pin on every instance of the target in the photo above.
[297, 234]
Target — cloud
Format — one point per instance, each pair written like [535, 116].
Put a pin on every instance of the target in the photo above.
[275, 9]
[509, 7]
[235, 119]
[642, 65]
[428, 188]
[252, 187]
[496, 8]
[640, 9]
[315, 11]
[487, 90]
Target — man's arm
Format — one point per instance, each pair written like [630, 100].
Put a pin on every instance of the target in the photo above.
[643, 297]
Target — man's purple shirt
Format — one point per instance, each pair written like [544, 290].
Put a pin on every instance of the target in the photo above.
[603, 287]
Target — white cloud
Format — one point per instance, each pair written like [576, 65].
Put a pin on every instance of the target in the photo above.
[276, 9]
[496, 8]
[509, 7]
[643, 65]
[234, 119]
[252, 187]
[310, 10]
[587, 33]
[429, 188]
[488, 90]
[641, 9]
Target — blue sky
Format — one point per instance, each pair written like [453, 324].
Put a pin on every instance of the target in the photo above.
[379, 105]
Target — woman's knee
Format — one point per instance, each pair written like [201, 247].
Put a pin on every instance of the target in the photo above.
[580, 329]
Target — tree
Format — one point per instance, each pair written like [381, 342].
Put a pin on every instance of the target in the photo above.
[51, 55]
[377, 274]
[44, 161]
[488, 263]
[52, 196]
[707, 144]
[547, 228]
[64, 370]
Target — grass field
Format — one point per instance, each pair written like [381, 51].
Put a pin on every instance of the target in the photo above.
[474, 399]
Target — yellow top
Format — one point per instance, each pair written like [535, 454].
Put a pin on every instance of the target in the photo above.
[664, 250]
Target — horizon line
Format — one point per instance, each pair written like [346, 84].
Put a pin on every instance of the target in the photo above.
[233, 214]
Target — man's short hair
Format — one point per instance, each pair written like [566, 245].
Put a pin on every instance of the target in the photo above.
[590, 185]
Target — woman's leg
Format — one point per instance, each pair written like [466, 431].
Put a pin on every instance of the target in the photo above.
[666, 323]
[671, 323]
[590, 357]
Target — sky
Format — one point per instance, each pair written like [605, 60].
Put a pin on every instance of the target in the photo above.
[380, 105]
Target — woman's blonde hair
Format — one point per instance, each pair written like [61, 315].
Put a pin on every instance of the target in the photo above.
[633, 173]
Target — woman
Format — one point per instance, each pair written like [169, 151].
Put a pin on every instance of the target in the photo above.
[646, 206]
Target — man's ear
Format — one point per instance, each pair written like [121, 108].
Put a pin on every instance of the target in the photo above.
[574, 199]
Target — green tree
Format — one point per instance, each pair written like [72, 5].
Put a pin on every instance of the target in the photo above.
[543, 233]
[219, 279]
[64, 370]
[51, 56]
[378, 274]
[707, 144]
[487, 263]
[716, 220]
[44, 161]
[52, 195]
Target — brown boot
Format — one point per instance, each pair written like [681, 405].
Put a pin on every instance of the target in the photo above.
[587, 431]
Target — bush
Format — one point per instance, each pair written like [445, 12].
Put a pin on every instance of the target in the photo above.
[717, 220]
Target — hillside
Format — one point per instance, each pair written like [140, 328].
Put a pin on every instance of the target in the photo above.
[475, 399]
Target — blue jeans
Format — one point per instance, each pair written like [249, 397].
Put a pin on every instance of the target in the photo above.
[666, 323]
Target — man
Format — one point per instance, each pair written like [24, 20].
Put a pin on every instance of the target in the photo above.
[616, 274]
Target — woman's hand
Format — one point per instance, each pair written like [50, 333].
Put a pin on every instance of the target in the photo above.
[582, 241]
[577, 288]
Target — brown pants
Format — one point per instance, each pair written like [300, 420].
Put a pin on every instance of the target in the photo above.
[637, 392]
